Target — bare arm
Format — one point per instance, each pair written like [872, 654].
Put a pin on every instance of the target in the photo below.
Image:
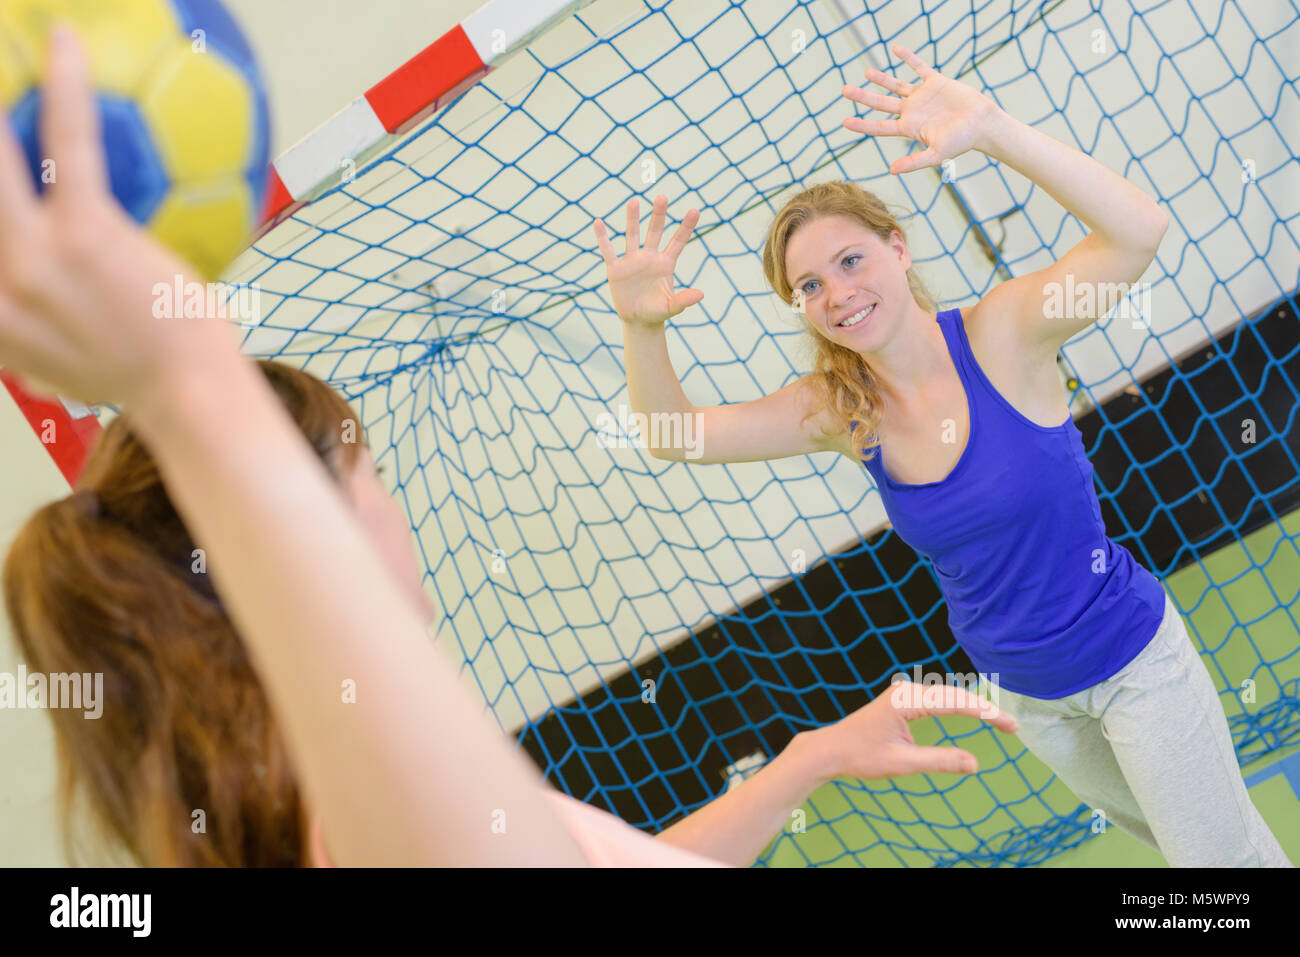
[1118, 213]
[652, 383]
[784, 423]
[737, 826]
[1125, 225]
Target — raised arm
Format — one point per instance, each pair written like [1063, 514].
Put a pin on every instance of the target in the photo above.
[641, 286]
[1125, 225]
[1125, 229]
[412, 773]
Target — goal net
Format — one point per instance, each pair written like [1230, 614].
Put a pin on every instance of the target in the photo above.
[652, 631]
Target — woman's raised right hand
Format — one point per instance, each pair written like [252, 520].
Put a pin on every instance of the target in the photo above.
[78, 277]
[641, 282]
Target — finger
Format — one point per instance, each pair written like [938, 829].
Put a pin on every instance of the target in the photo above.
[891, 83]
[70, 124]
[633, 226]
[18, 203]
[922, 68]
[877, 101]
[28, 346]
[945, 760]
[874, 127]
[680, 300]
[602, 239]
[683, 234]
[658, 215]
[927, 157]
[935, 700]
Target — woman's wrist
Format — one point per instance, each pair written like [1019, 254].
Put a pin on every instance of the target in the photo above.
[189, 386]
[640, 326]
[813, 753]
[995, 131]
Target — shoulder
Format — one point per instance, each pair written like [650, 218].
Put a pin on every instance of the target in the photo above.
[999, 322]
[1023, 371]
[809, 397]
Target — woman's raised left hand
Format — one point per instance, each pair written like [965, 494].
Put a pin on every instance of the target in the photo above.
[945, 115]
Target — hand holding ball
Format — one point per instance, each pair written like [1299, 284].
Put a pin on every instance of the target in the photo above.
[181, 106]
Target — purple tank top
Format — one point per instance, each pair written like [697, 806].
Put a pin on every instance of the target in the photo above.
[1037, 593]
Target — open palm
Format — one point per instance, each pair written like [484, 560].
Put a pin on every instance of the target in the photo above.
[641, 282]
[945, 115]
[876, 741]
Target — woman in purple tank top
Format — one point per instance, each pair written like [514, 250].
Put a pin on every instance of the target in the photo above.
[1081, 643]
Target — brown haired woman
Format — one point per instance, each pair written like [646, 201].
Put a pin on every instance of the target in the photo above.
[957, 415]
[299, 704]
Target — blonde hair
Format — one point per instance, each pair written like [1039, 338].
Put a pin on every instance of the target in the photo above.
[849, 387]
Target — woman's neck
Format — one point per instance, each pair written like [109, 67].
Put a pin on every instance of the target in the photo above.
[909, 364]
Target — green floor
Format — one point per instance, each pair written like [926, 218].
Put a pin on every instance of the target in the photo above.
[972, 815]
[1275, 798]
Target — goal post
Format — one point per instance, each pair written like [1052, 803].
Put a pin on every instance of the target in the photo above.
[401, 101]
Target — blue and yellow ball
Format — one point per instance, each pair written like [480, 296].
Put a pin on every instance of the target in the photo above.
[182, 106]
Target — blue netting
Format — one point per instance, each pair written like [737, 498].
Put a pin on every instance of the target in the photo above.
[453, 293]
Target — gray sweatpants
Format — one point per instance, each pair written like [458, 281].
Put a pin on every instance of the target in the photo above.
[1150, 747]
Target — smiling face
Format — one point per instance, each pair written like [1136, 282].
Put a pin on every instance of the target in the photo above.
[852, 285]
